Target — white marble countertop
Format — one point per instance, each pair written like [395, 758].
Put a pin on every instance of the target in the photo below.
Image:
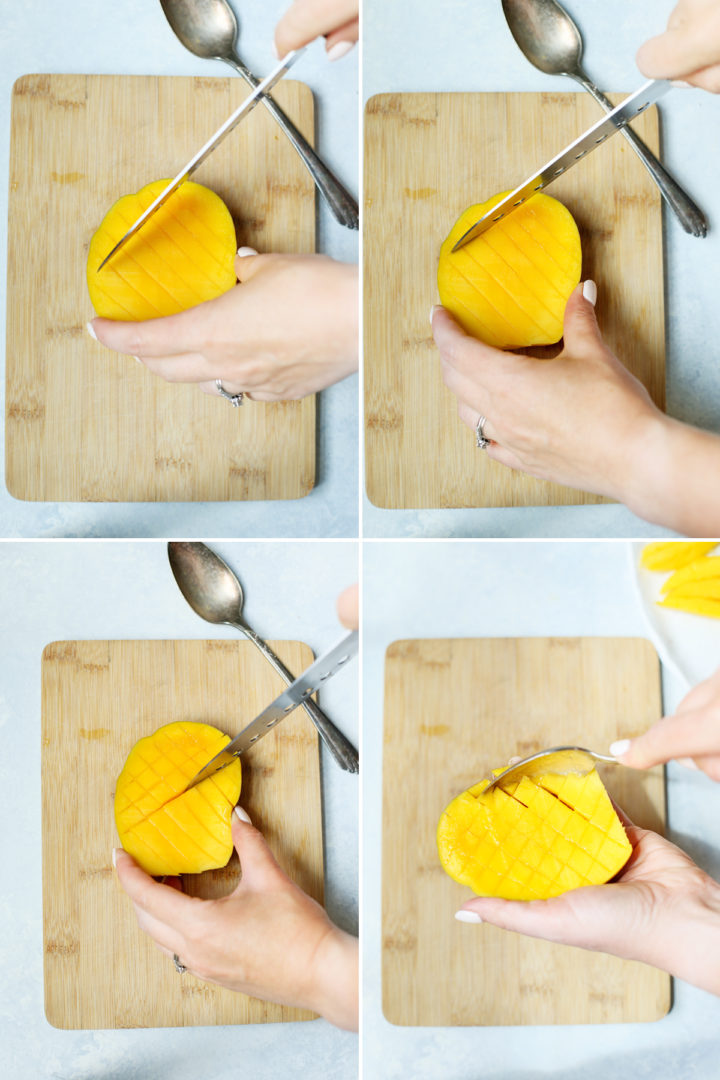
[132, 37]
[466, 589]
[116, 590]
[466, 45]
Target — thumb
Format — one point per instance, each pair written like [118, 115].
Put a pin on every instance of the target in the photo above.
[449, 335]
[259, 868]
[247, 263]
[581, 331]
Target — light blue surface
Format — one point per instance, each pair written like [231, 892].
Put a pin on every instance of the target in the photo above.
[132, 37]
[68, 590]
[466, 45]
[466, 589]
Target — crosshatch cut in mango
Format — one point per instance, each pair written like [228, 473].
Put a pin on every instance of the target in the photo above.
[533, 838]
[166, 829]
[509, 286]
[181, 257]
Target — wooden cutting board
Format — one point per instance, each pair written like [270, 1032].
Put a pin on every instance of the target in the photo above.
[83, 423]
[427, 158]
[98, 699]
[454, 709]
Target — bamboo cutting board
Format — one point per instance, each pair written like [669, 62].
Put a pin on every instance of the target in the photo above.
[454, 709]
[427, 158]
[84, 423]
[99, 698]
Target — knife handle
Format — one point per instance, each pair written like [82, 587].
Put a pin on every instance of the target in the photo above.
[687, 212]
[342, 205]
[339, 746]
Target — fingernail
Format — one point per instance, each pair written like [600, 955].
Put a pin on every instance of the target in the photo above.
[91, 331]
[242, 815]
[138, 359]
[433, 309]
[467, 916]
[617, 749]
[681, 84]
[340, 49]
[590, 291]
[688, 762]
[275, 52]
[114, 856]
[243, 251]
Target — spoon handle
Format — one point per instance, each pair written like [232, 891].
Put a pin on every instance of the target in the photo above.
[341, 748]
[343, 206]
[687, 212]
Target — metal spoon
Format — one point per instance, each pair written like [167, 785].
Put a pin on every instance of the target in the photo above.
[551, 42]
[215, 594]
[208, 28]
[559, 759]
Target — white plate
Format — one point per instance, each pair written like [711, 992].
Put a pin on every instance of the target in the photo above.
[689, 644]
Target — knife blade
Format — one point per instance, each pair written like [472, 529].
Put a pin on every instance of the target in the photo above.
[303, 687]
[232, 121]
[607, 126]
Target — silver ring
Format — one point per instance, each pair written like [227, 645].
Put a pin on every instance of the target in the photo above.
[480, 441]
[179, 966]
[235, 399]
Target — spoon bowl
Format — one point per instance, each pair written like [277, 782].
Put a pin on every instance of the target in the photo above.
[558, 759]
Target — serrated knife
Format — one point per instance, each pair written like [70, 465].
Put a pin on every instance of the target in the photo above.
[303, 687]
[607, 126]
[197, 159]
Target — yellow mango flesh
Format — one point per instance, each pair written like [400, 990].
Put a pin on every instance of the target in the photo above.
[673, 554]
[533, 839]
[705, 569]
[166, 829]
[181, 257]
[694, 605]
[509, 286]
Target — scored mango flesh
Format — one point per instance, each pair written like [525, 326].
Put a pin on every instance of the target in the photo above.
[509, 286]
[533, 838]
[166, 829]
[183, 255]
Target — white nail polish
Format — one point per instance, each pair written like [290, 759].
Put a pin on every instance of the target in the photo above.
[114, 856]
[468, 916]
[340, 49]
[91, 331]
[680, 84]
[590, 291]
[138, 359]
[432, 312]
[617, 749]
[242, 815]
[275, 52]
[243, 252]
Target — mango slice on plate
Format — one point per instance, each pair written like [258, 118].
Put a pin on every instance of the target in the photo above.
[166, 829]
[673, 554]
[509, 286]
[705, 569]
[182, 256]
[534, 838]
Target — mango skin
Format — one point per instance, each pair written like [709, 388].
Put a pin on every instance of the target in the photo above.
[182, 256]
[533, 839]
[166, 829]
[509, 287]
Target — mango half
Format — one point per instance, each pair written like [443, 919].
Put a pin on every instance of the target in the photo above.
[166, 829]
[182, 256]
[533, 838]
[509, 286]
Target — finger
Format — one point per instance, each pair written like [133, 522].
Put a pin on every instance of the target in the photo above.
[347, 607]
[470, 417]
[170, 336]
[165, 937]
[163, 902]
[580, 329]
[248, 262]
[185, 368]
[466, 354]
[547, 919]
[693, 733]
[506, 457]
[260, 870]
[342, 41]
[308, 19]
[707, 79]
[682, 50]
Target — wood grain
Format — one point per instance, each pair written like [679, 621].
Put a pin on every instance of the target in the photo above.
[454, 709]
[427, 158]
[86, 424]
[98, 699]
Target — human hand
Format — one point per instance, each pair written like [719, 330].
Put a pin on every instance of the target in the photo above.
[288, 330]
[580, 419]
[267, 938]
[690, 47]
[336, 20]
[662, 909]
[348, 607]
[691, 736]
